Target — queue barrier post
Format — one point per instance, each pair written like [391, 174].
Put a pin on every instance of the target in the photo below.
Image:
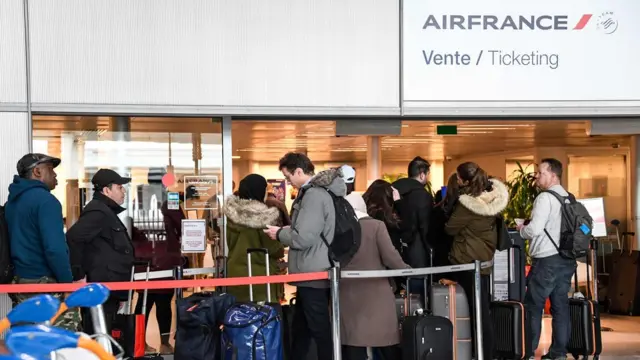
[178, 272]
[334, 285]
[100, 327]
[478, 307]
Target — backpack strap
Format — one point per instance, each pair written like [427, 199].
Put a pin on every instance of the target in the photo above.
[561, 199]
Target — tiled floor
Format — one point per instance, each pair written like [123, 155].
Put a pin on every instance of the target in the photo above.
[621, 343]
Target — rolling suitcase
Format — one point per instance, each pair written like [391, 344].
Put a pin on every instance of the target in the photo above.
[129, 329]
[450, 301]
[507, 309]
[254, 330]
[508, 329]
[426, 336]
[586, 336]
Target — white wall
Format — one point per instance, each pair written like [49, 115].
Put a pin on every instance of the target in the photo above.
[228, 53]
[12, 53]
[14, 143]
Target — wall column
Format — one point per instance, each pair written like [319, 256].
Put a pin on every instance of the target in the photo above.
[634, 183]
[374, 159]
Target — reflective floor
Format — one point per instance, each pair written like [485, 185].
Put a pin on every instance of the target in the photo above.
[621, 343]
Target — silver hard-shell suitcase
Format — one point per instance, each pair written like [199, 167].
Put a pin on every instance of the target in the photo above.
[450, 301]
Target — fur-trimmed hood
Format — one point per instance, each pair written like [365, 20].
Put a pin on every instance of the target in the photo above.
[489, 203]
[331, 180]
[250, 213]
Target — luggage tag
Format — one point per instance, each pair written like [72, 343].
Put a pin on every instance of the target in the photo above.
[585, 229]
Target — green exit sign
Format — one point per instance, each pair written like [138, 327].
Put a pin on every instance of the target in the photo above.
[447, 130]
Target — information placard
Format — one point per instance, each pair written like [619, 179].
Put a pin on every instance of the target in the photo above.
[194, 236]
[595, 207]
[200, 192]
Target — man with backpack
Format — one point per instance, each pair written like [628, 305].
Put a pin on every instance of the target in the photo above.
[33, 216]
[554, 245]
[319, 218]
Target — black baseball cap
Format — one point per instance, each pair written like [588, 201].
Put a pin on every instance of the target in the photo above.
[30, 161]
[106, 177]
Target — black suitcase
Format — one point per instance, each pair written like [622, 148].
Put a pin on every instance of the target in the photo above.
[508, 329]
[425, 336]
[586, 335]
[508, 271]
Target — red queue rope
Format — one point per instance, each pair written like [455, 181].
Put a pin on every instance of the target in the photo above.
[166, 284]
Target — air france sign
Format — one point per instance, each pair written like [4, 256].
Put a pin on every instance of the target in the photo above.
[520, 22]
[519, 51]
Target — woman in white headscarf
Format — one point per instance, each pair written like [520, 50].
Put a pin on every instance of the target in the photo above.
[368, 312]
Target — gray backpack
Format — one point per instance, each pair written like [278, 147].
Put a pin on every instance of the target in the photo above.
[576, 230]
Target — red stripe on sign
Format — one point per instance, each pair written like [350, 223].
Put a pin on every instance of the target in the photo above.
[584, 20]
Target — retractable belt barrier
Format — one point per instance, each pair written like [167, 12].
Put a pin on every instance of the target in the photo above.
[417, 272]
[166, 284]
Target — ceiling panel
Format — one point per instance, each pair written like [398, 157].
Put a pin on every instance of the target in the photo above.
[268, 140]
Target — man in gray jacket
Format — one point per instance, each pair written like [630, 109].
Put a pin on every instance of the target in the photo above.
[313, 217]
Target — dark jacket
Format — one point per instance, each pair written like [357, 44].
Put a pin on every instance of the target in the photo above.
[158, 254]
[173, 226]
[99, 243]
[414, 210]
[36, 232]
[439, 240]
[472, 225]
[246, 220]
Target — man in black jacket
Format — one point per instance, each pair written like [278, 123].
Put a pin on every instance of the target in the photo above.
[414, 210]
[99, 244]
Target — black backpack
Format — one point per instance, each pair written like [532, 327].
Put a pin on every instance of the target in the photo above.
[6, 266]
[576, 230]
[347, 233]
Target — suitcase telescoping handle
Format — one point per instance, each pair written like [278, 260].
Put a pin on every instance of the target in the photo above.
[266, 262]
[593, 254]
[146, 291]
[407, 308]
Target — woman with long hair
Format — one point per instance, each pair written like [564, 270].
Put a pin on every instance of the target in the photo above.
[473, 228]
[379, 198]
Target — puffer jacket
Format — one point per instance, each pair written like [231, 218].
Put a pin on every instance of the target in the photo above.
[473, 225]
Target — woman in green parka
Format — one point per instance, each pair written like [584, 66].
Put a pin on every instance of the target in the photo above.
[247, 215]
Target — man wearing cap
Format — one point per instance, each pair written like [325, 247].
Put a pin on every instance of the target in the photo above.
[349, 176]
[36, 231]
[100, 246]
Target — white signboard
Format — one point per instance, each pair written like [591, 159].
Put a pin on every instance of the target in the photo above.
[515, 51]
[194, 236]
[595, 207]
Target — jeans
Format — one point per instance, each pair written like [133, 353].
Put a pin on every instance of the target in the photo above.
[549, 277]
[311, 320]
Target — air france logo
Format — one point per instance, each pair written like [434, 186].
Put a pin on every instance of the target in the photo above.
[605, 22]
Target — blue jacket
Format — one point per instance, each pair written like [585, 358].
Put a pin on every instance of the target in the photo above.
[36, 232]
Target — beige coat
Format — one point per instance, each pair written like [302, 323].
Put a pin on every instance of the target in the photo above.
[367, 306]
